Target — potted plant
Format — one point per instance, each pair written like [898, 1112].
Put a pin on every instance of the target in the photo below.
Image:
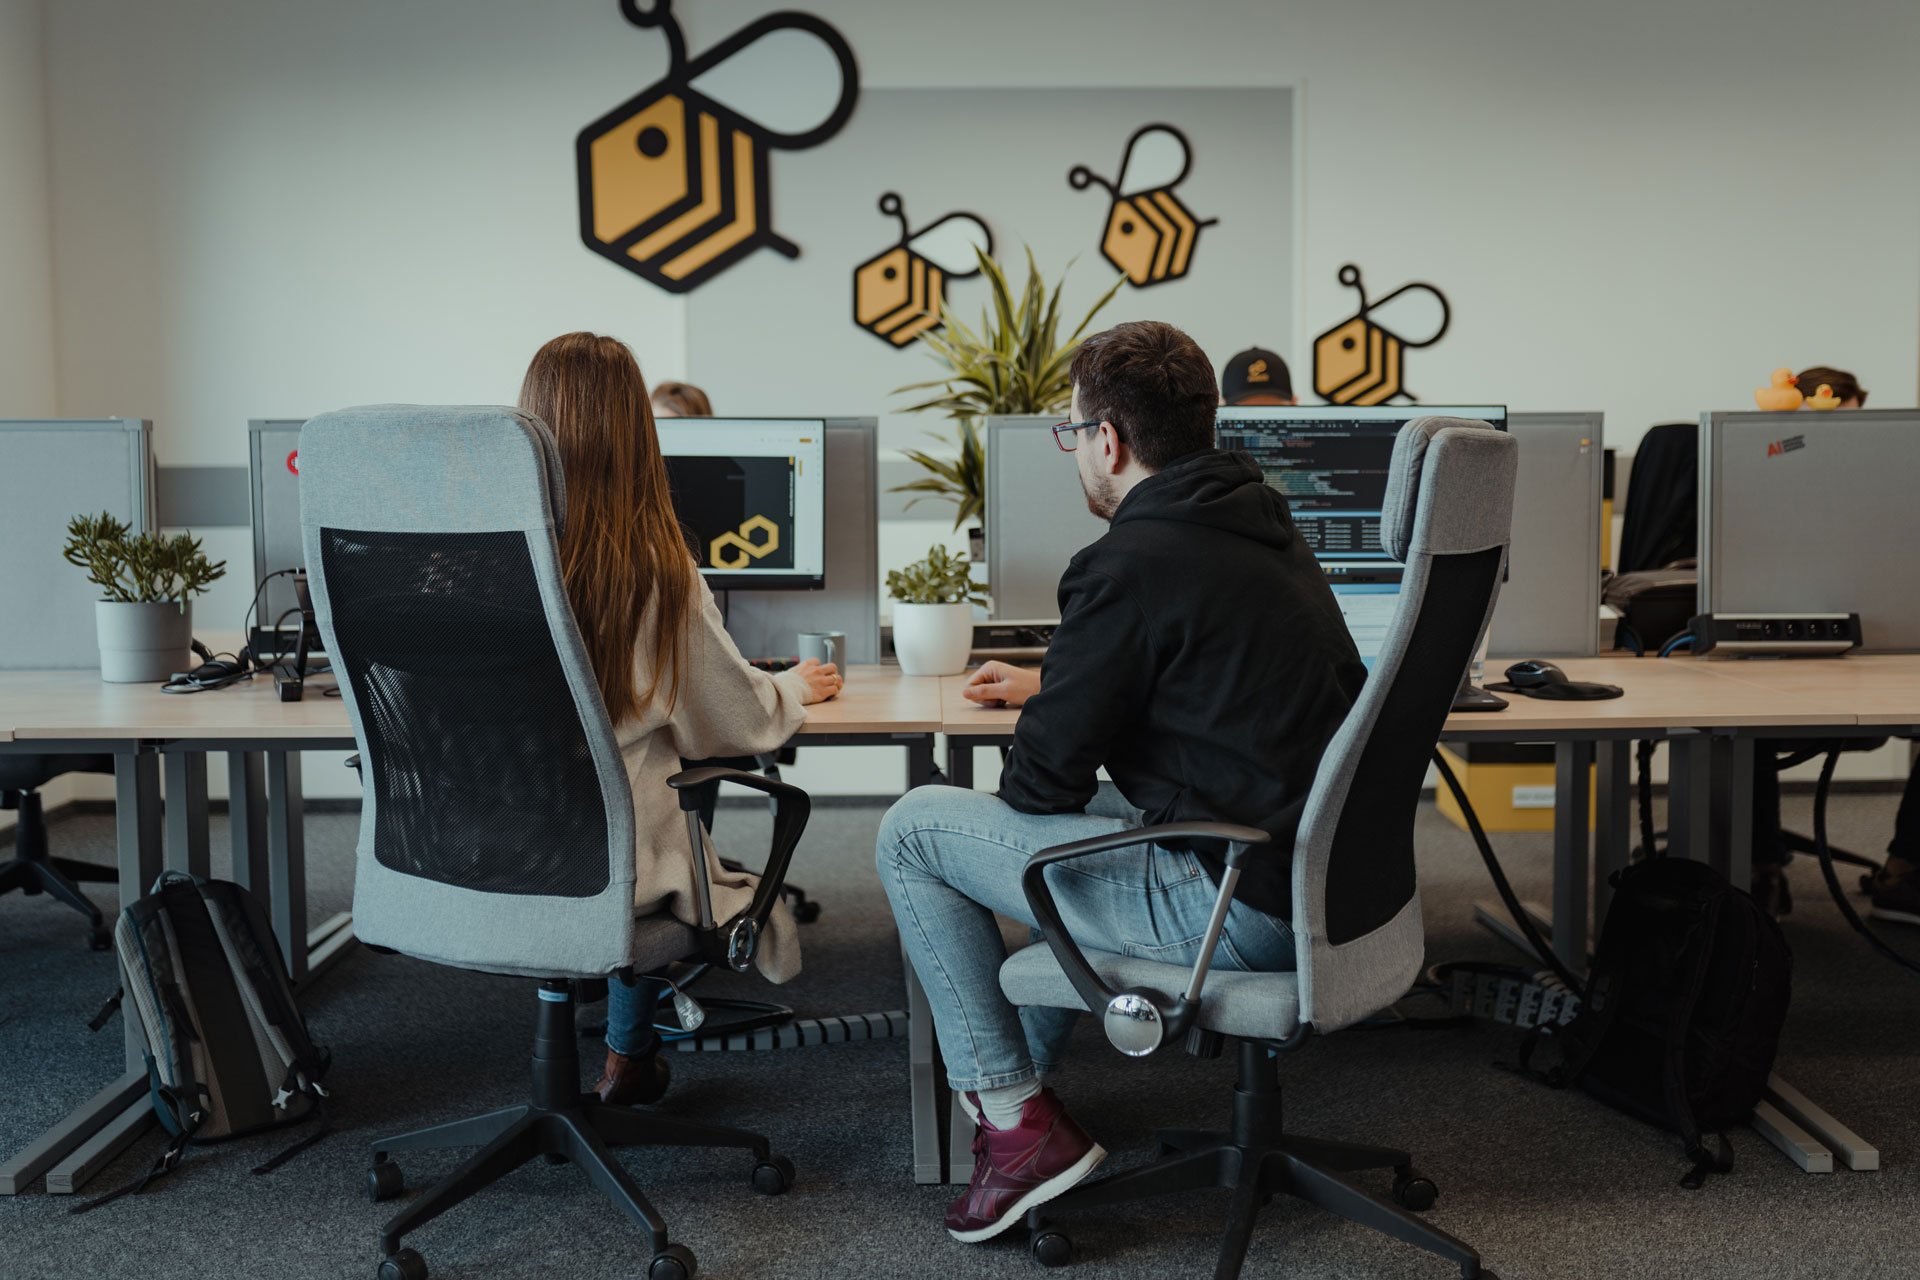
[933, 613]
[145, 619]
[1014, 364]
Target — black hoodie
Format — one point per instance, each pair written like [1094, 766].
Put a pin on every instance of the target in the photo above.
[1201, 658]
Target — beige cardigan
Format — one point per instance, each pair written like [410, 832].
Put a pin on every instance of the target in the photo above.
[726, 707]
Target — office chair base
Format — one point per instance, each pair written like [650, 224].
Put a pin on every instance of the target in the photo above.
[1256, 1160]
[564, 1125]
[55, 877]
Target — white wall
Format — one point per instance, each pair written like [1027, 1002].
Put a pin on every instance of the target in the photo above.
[26, 278]
[270, 207]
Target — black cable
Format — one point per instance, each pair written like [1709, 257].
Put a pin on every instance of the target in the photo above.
[1825, 851]
[1648, 836]
[1541, 949]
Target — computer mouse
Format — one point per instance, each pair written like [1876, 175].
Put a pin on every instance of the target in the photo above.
[1533, 673]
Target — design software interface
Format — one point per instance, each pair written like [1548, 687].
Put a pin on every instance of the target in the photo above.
[1331, 463]
[751, 494]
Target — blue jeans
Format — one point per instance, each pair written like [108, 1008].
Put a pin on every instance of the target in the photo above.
[951, 858]
[630, 1014]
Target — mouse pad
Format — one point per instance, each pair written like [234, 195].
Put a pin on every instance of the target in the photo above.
[1570, 691]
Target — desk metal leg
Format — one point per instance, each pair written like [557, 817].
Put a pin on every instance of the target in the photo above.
[1571, 877]
[75, 1148]
[186, 813]
[1738, 854]
[929, 1090]
[1689, 795]
[287, 860]
[247, 820]
[1613, 821]
[960, 761]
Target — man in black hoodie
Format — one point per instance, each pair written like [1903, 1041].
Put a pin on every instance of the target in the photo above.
[1202, 661]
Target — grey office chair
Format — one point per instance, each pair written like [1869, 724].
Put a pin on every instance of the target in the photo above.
[1356, 908]
[497, 826]
[32, 870]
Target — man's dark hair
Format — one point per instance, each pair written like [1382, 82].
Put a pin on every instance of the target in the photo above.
[1845, 385]
[1154, 384]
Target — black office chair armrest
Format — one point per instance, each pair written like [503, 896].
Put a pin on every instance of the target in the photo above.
[1097, 995]
[731, 944]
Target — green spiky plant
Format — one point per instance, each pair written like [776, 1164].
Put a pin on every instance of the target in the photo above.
[139, 568]
[1014, 363]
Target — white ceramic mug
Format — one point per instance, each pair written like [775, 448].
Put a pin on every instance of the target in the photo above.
[823, 646]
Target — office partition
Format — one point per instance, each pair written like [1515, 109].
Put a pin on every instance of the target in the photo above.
[52, 470]
[1037, 517]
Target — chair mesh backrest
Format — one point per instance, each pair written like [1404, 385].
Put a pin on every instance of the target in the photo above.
[481, 767]
[496, 819]
[1661, 523]
[1447, 515]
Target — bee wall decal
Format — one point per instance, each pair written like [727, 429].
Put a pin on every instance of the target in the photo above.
[1150, 235]
[673, 182]
[897, 294]
[1359, 360]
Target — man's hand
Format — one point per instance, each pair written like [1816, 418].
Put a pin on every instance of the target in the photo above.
[999, 684]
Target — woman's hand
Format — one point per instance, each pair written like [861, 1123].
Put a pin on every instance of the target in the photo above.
[822, 680]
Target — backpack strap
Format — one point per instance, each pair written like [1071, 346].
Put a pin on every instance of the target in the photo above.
[168, 1160]
[1674, 1065]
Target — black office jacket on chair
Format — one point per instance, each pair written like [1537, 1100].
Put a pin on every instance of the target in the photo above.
[1201, 658]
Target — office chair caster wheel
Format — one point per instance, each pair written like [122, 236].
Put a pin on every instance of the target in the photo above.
[773, 1177]
[1413, 1192]
[404, 1265]
[100, 938]
[385, 1181]
[1050, 1248]
[675, 1262]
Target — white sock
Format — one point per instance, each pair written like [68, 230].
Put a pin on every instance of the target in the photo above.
[1002, 1107]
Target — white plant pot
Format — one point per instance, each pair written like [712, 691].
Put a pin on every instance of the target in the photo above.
[143, 642]
[932, 639]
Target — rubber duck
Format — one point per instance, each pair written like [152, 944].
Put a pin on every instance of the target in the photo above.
[1782, 395]
[1823, 398]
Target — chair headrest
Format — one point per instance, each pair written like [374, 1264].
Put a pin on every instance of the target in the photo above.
[453, 467]
[1449, 488]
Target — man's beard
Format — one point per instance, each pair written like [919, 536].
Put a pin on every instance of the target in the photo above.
[1100, 497]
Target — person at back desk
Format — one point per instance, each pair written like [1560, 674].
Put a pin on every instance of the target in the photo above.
[1202, 661]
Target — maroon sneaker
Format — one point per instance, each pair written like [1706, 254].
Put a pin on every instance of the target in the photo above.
[1018, 1168]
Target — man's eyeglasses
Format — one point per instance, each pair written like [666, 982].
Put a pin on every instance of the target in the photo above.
[1067, 434]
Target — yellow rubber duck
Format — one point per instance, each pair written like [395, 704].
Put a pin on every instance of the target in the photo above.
[1782, 395]
[1823, 398]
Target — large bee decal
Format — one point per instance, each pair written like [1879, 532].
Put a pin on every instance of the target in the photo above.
[897, 295]
[1359, 360]
[673, 183]
[1150, 235]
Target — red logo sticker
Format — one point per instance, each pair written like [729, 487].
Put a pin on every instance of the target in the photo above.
[293, 462]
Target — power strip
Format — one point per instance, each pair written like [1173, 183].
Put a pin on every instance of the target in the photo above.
[1523, 1003]
[1775, 633]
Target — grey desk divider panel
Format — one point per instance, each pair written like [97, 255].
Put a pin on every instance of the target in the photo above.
[764, 623]
[274, 485]
[1037, 517]
[52, 470]
[1814, 512]
[1550, 604]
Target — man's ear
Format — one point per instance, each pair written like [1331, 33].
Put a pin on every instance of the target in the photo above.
[1113, 450]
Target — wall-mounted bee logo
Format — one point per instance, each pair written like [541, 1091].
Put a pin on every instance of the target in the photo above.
[744, 550]
[1150, 235]
[897, 295]
[673, 183]
[1358, 361]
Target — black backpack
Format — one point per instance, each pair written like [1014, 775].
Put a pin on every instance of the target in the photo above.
[228, 1053]
[1684, 1005]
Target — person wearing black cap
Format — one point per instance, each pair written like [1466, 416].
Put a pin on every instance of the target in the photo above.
[1257, 376]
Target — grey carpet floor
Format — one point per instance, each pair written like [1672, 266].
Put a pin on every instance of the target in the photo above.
[1543, 1183]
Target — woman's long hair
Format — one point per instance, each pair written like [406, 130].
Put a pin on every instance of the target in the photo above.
[622, 547]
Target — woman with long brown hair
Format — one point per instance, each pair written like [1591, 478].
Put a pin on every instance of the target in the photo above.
[674, 684]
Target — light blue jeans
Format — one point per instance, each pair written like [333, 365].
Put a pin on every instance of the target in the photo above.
[951, 858]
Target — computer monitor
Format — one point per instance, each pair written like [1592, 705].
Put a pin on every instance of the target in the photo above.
[1331, 463]
[1813, 512]
[1036, 517]
[1549, 604]
[751, 493]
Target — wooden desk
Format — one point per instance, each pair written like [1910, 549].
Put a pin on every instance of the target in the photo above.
[1879, 690]
[148, 732]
